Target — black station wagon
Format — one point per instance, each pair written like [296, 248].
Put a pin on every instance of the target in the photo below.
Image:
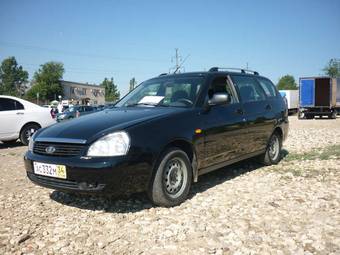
[163, 135]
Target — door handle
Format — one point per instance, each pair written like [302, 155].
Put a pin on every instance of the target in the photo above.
[239, 111]
[268, 107]
[20, 113]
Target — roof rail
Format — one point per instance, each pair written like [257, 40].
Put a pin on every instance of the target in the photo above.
[162, 74]
[242, 70]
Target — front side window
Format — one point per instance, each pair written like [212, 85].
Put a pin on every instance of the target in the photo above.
[221, 85]
[267, 86]
[249, 89]
[173, 92]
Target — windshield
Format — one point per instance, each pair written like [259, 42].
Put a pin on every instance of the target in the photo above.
[176, 92]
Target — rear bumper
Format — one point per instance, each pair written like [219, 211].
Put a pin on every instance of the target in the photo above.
[318, 110]
[104, 176]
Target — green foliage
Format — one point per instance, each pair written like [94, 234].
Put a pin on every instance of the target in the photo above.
[329, 152]
[286, 82]
[332, 69]
[111, 91]
[12, 78]
[47, 81]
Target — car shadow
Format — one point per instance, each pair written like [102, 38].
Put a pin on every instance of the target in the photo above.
[139, 201]
[10, 145]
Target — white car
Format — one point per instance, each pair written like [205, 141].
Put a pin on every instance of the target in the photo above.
[20, 119]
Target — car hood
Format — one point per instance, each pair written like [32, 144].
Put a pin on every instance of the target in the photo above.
[90, 127]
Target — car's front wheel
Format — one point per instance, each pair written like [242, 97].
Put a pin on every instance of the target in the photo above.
[27, 131]
[172, 180]
[273, 150]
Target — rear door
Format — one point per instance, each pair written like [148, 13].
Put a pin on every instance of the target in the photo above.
[11, 117]
[257, 110]
[307, 92]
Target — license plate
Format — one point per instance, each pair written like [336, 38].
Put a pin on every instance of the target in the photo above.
[52, 170]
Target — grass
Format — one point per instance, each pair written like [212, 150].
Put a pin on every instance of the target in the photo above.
[329, 152]
[298, 169]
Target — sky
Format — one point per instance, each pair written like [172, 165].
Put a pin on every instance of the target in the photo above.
[130, 38]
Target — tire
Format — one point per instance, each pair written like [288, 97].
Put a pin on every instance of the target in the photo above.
[272, 156]
[333, 115]
[171, 183]
[309, 116]
[27, 131]
[301, 115]
[11, 142]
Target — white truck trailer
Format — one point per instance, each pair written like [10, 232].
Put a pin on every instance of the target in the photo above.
[292, 97]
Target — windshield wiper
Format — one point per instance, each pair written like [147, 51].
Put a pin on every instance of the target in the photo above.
[135, 104]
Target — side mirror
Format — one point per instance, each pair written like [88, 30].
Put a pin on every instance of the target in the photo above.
[219, 99]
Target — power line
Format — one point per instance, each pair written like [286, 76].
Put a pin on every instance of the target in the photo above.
[75, 69]
[78, 54]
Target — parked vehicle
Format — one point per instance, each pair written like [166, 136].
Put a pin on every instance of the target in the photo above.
[163, 135]
[292, 97]
[337, 100]
[20, 119]
[74, 112]
[318, 97]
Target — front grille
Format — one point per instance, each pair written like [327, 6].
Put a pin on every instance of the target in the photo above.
[54, 182]
[61, 149]
[65, 184]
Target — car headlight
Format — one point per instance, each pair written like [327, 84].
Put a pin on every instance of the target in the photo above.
[115, 144]
[31, 143]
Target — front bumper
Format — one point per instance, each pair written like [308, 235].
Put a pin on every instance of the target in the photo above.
[103, 176]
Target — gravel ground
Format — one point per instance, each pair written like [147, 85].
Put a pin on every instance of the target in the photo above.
[290, 208]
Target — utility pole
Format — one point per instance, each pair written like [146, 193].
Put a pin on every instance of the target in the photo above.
[132, 83]
[177, 59]
[179, 62]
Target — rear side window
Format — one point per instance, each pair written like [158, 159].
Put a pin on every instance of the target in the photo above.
[7, 104]
[268, 87]
[249, 89]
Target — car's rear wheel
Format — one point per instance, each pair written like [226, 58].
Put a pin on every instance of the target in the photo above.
[27, 131]
[272, 155]
[172, 180]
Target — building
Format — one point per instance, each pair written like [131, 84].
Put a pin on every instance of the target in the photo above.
[83, 93]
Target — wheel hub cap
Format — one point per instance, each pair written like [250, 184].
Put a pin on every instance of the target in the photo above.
[274, 147]
[173, 176]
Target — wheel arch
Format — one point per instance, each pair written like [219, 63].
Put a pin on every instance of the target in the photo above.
[188, 148]
[278, 130]
[28, 123]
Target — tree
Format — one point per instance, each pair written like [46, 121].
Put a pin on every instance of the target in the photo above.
[13, 78]
[46, 81]
[133, 83]
[332, 69]
[287, 82]
[111, 91]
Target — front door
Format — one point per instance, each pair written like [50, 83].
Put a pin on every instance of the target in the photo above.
[223, 125]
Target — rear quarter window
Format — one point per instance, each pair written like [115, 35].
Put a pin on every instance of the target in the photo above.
[268, 87]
